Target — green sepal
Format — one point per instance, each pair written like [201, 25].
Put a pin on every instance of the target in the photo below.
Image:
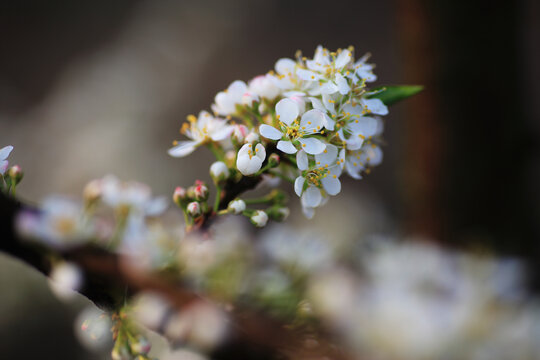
[391, 94]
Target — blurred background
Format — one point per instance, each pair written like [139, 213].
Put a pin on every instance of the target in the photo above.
[92, 88]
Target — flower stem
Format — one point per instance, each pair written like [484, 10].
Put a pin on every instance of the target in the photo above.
[218, 199]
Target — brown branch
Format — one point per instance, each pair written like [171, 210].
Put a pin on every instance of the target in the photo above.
[108, 278]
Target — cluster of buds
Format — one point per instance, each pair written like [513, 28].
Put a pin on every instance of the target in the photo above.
[129, 345]
[192, 201]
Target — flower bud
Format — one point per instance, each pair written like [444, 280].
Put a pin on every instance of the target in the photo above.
[278, 213]
[200, 191]
[250, 99]
[252, 137]
[194, 209]
[259, 218]
[219, 172]
[93, 191]
[236, 206]
[273, 160]
[16, 174]
[239, 133]
[179, 195]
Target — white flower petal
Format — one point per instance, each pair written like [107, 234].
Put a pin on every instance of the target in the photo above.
[3, 166]
[376, 106]
[309, 212]
[5, 151]
[312, 196]
[343, 86]
[308, 75]
[353, 171]
[317, 104]
[364, 125]
[286, 147]
[302, 160]
[328, 156]
[312, 146]
[331, 184]
[284, 66]
[329, 88]
[299, 185]
[312, 120]
[222, 134]
[343, 59]
[183, 148]
[270, 132]
[328, 103]
[329, 123]
[287, 110]
[237, 89]
[260, 152]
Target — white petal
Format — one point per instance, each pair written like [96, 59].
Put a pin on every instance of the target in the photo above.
[329, 88]
[312, 120]
[331, 184]
[329, 123]
[312, 196]
[309, 212]
[270, 132]
[343, 86]
[353, 171]
[222, 134]
[343, 59]
[156, 206]
[364, 125]
[287, 110]
[307, 75]
[260, 152]
[237, 89]
[302, 160]
[286, 147]
[328, 103]
[3, 166]
[312, 146]
[299, 185]
[341, 157]
[4, 152]
[317, 104]
[284, 66]
[376, 106]
[328, 156]
[183, 148]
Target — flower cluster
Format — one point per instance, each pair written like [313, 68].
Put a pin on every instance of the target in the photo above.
[307, 121]
[10, 177]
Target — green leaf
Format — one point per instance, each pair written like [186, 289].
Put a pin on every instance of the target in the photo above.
[391, 94]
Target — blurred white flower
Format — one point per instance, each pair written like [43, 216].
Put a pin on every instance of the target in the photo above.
[201, 130]
[65, 280]
[225, 101]
[263, 86]
[237, 206]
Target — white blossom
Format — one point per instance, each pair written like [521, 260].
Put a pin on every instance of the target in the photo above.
[249, 161]
[219, 171]
[200, 130]
[263, 86]
[225, 101]
[292, 130]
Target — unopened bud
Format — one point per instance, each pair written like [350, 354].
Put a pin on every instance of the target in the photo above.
[194, 209]
[237, 206]
[273, 160]
[252, 137]
[259, 218]
[179, 195]
[200, 191]
[219, 172]
[93, 191]
[239, 133]
[278, 213]
[250, 99]
[16, 174]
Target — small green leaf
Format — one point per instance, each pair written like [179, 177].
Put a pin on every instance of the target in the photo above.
[391, 94]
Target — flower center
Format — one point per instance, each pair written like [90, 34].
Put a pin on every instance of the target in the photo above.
[314, 176]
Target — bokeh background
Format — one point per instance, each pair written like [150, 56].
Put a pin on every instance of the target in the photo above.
[99, 87]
